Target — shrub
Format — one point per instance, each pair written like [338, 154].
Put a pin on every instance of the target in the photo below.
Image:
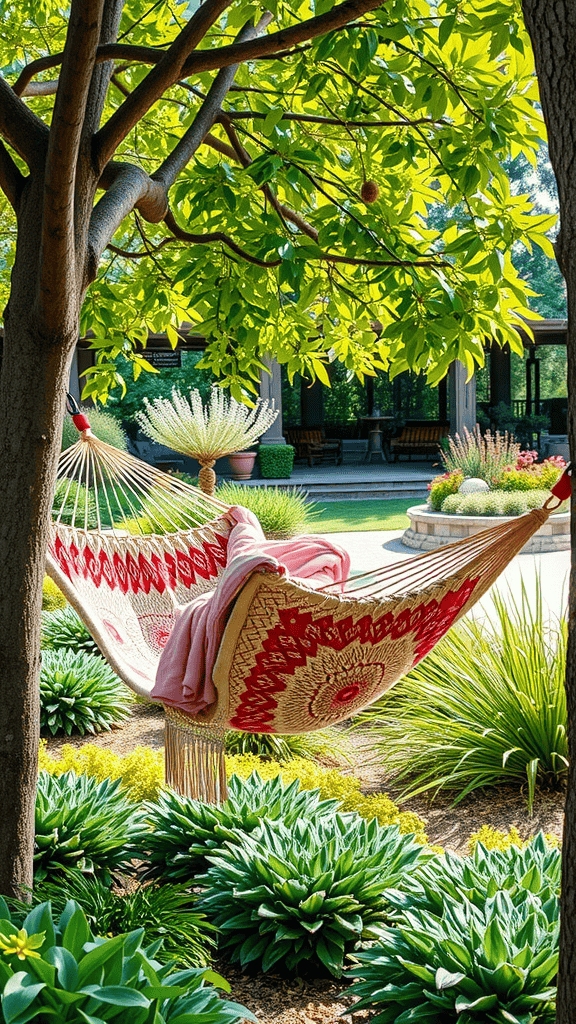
[496, 503]
[442, 486]
[164, 912]
[515, 503]
[140, 773]
[82, 825]
[485, 457]
[103, 423]
[52, 596]
[81, 693]
[517, 870]
[275, 460]
[332, 784]
[282, 512]
[72, 503]
[485, 707]
[305, 893]
[58, 970]
[451, 504]
[496, 962]
[63, 628]
[184, 831]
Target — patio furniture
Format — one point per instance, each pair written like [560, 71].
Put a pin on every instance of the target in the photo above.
[379, 429]
[292, 658]
[312, 444]
[418, 439]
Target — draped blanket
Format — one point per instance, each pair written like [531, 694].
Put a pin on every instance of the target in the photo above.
[184, 675]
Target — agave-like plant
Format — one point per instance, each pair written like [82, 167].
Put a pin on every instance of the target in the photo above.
[82, 825]
[183, 831]
[63, 629]
[304, 895]
[80, 693]
[496, 962]
[205, 432]
[535, 868]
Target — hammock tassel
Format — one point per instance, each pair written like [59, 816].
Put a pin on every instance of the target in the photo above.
[194, 758]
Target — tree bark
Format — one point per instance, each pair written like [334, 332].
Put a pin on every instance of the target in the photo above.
[33, 383]
[552, 28]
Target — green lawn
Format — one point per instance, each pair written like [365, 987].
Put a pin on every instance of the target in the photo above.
[359, 516]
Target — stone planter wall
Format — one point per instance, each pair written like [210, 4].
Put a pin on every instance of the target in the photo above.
[429, 530]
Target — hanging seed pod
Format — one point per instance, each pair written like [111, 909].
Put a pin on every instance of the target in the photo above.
[369, 191]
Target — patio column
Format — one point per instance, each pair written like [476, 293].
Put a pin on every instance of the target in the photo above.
[462, 399]
[500, 377]
[271, 388]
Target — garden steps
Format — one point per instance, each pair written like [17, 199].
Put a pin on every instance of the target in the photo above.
[358, 481]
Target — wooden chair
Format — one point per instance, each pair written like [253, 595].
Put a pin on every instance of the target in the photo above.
[312, 445]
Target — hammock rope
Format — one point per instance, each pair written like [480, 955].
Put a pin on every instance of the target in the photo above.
[129, 544]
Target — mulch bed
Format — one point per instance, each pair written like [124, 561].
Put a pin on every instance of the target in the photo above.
[276, 1000]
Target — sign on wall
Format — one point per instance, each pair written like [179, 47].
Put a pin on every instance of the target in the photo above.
[163, 358]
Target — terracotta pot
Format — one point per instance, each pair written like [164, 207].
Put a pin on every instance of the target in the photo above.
[242, 464]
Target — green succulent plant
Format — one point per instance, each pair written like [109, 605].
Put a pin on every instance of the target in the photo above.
[58, 970]
[302, 896]
[80, 693]
[183, 831]
[534, 868]
[493, 963]
[63, 628]
[82, 825]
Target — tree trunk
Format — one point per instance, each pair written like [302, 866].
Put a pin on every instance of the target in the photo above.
[33, 383]
[552, 28]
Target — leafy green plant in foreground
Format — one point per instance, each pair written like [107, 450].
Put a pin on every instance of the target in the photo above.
[183, 831]
[492, 963]
[164, 912]
[303, 896]
[58, 970]
[485, 707]
[83, 825]
[80, 693]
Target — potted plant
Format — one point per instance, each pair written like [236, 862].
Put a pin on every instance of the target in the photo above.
[241, 465]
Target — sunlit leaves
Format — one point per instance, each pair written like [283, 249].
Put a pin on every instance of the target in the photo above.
[427, 100]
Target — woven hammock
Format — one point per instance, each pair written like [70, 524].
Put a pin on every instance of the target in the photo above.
[130, 543]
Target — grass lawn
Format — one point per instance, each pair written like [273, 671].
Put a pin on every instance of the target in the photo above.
[359, 516]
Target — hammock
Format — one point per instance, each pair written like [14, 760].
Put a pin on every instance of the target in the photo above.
[129, 544]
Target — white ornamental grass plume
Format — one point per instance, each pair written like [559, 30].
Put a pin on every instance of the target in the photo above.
[205, 432]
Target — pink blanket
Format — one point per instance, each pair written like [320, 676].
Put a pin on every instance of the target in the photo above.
[184, 675]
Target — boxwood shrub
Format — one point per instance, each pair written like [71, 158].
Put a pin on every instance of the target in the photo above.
[275, 460]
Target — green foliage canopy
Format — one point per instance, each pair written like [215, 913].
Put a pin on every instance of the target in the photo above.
[426, 100]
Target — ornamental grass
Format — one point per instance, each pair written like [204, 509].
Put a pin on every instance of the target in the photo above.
[486, 707]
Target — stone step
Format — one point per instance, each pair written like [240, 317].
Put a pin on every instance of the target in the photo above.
[357, 490]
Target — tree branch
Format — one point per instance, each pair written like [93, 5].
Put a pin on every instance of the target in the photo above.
[25, 132]
[11, 180]
[109, 51]
[244, 115]
[207, 114]
[272, 45]
[165, 74]
[128, 187]
[215, 236]
[58, 260]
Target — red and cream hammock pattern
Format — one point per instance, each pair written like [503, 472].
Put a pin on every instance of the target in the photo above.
[292, 659]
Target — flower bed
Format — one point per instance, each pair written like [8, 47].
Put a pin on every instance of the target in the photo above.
[429, 530]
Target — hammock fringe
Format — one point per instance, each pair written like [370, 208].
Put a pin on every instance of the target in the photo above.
[194, 759]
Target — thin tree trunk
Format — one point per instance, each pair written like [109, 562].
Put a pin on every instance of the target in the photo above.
[33, 384]
[552, 28]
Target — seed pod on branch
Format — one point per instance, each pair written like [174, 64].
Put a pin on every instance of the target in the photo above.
[369, 191]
